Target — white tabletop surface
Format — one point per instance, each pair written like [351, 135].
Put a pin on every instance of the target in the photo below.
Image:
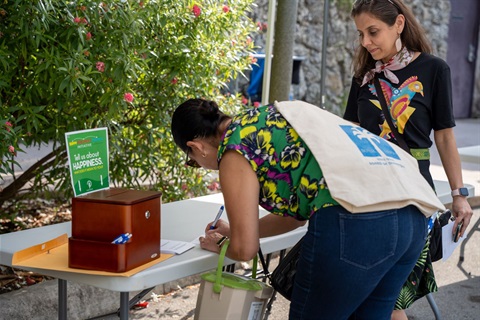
[470, 154]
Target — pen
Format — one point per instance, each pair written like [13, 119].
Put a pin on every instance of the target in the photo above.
[122, 238]
[219, 214]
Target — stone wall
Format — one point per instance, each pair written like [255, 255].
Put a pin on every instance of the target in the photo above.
[342, 39]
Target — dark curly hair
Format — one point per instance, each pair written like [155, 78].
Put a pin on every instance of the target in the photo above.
[196, 118]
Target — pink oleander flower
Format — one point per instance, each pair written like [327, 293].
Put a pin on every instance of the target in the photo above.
[256, 104]
[128, 97]
[196, 10]
[262, 26]
[11, 149]
[214, 186]
[8, 124]
[100, 66]
[226, 9]
[88, 36]
[174, 80]
[79, 20]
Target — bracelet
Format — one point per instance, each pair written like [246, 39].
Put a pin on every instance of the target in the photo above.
[221, 241]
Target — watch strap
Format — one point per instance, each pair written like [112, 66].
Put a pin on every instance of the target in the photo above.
[221, 241]
[460, 192]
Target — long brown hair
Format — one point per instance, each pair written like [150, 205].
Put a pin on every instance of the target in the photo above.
[413, 35]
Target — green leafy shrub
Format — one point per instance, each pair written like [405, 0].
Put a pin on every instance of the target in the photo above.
[124, 65]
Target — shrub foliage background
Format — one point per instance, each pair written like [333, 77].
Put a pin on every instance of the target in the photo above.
[124, 65]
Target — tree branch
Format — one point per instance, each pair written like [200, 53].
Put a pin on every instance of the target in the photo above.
[12, 189]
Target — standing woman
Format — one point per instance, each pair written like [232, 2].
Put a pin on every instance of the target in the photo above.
[417, 88]
[351, 265]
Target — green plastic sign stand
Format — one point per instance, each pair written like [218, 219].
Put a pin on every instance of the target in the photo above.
[88, 159]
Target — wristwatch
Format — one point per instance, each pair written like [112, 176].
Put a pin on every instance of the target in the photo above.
[460, 192]
[221, 241]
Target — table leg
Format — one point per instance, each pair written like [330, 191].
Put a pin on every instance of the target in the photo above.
[123, 305]
[434, 307]
[62, 299]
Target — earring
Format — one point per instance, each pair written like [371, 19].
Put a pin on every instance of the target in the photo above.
[398, 44]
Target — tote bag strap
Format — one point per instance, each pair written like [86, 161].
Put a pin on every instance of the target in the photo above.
[388, 117]
[217, 286]
[264, 264]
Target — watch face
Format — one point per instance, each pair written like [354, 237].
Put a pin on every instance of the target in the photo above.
[463, 192]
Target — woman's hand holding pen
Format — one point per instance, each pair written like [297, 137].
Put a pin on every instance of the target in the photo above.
[211, 240]
[213, 236]
[221, 227]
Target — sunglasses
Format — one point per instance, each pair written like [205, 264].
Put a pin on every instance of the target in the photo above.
[190, 162]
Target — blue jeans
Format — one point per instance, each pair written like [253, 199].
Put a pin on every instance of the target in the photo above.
[352, 266]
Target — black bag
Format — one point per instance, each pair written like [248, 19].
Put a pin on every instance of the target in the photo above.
[283, 276]
[436, 248]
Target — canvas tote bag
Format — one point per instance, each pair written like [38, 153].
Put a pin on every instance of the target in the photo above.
[226, 295]
[363, 171]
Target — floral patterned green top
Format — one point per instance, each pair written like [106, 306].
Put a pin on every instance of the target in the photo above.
[291, 181]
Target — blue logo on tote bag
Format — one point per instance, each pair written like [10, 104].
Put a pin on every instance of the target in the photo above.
[369, 144]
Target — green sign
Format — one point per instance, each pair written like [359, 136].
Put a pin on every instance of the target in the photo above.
[88, 158]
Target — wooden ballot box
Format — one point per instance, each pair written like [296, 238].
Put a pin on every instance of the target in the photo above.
[101, 217]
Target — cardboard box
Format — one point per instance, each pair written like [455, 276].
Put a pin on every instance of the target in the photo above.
[100, 217]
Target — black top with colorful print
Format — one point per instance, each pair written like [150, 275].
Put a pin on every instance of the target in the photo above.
[420, 102]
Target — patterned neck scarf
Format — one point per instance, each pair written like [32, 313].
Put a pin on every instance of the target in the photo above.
[397, 62]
